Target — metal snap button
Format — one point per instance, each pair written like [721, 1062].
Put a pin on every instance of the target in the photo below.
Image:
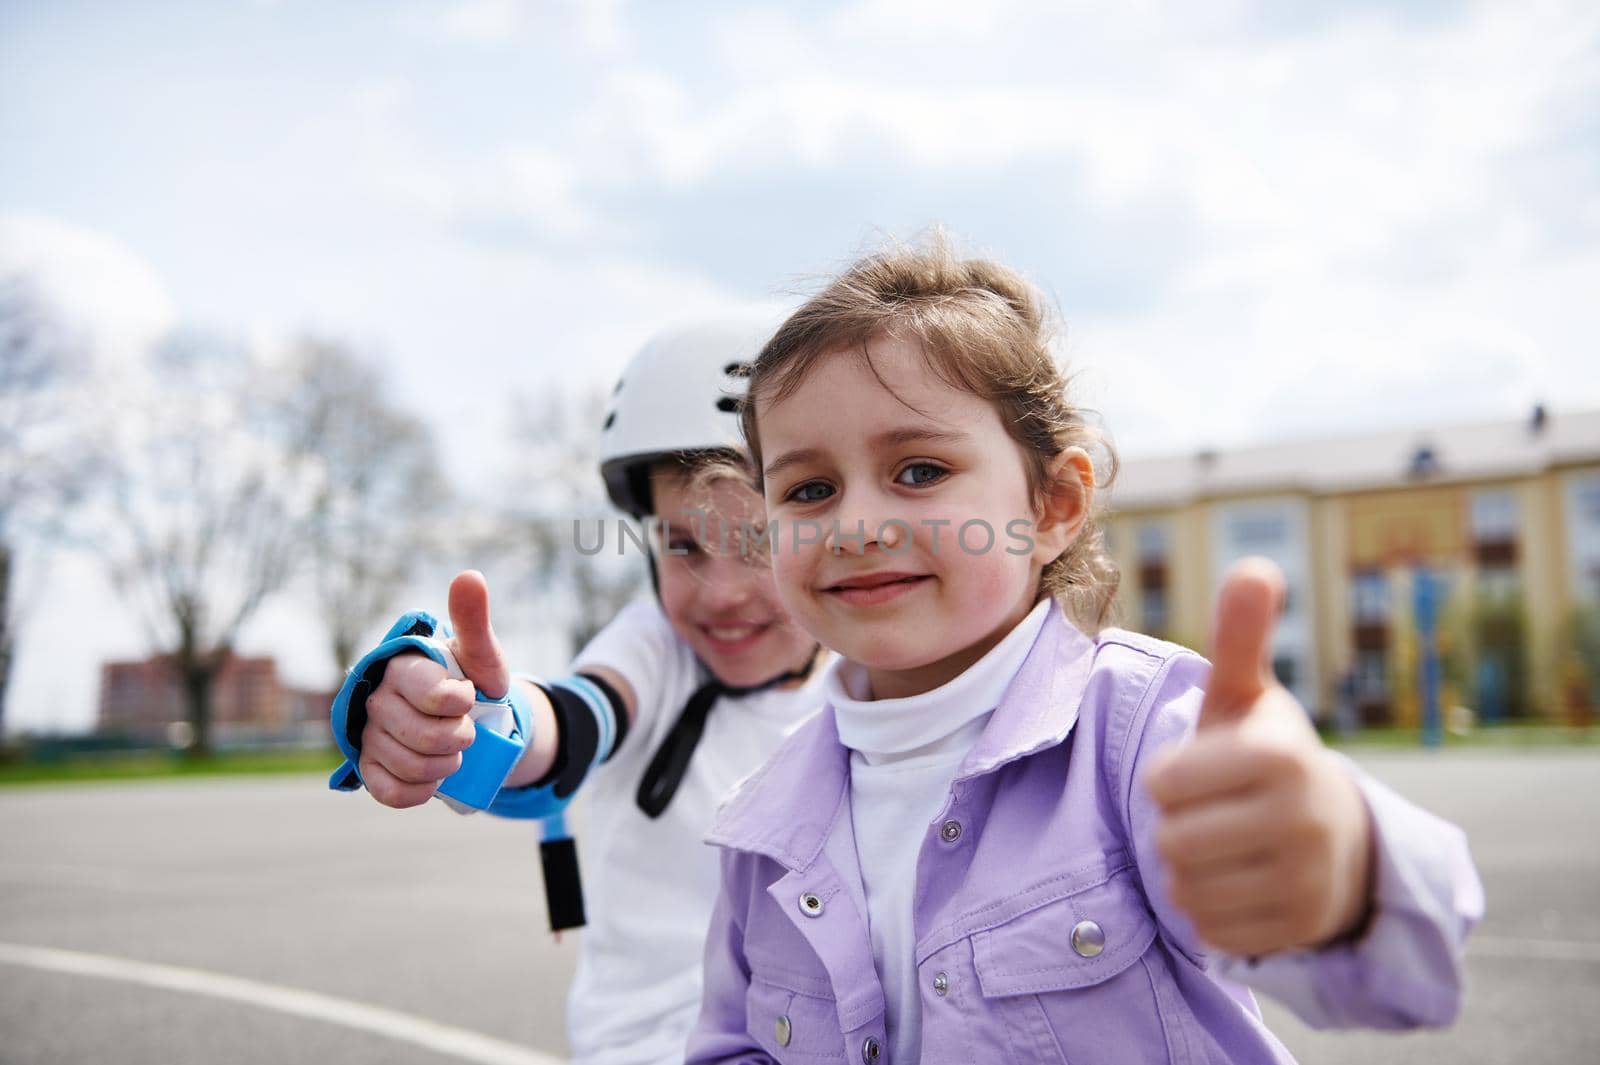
[1088, 939]
[785, 1031]
[870, 1050]
[941, 984]
[950, 831]
[811, 904]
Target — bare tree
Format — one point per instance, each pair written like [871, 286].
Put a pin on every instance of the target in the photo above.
[556, 487]
[211, 502]
[45, 458]
[379, 488]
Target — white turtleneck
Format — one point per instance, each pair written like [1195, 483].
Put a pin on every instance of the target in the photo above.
[903, 755]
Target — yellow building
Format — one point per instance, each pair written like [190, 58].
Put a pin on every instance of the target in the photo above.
[1504, 515]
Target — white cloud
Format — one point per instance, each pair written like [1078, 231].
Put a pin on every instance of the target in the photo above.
[602, 29]
[100, 284]
[899, 20]
[483, 21]
[595, 26]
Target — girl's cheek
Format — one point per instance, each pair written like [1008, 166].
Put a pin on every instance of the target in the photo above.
[788, 575]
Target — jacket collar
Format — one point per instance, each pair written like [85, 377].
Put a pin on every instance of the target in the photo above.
[787, 810]
[1040, 705]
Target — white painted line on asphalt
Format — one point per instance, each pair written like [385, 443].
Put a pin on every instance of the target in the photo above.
[455, 1042]
[1540, 949]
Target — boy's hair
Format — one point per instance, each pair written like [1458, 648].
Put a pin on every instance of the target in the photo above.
[697, 469]
[984, 330]
[703, 473]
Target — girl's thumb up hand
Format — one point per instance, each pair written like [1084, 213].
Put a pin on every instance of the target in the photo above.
[1265, 835]
[1241, 641]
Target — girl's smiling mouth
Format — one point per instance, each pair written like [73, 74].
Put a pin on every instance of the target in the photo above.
[870, 589]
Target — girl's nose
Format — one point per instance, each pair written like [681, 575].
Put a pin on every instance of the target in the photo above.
[858, 525]
[869, 526]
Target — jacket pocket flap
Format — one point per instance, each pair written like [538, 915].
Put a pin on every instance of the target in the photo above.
[1068, 942]
[792, 1022]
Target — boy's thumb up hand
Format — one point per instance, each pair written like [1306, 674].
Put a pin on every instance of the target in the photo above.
[1241, 642]
[474, 644]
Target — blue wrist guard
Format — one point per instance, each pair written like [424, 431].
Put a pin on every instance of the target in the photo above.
[501, 725]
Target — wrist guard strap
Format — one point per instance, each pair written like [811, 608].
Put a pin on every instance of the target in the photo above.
[501, 724]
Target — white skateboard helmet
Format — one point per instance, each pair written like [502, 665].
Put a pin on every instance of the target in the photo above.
[679, 395]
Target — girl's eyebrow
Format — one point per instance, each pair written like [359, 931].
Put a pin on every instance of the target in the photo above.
[889, 438]
[789, 458]
[918, 434]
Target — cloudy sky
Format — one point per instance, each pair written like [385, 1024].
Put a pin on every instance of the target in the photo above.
[1257, 218]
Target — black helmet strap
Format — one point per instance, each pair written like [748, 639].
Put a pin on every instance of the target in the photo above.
[666, 769]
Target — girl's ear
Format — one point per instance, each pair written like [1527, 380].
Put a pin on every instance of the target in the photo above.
[1066, 497]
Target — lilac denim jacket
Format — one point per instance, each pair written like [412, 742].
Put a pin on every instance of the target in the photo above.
[1053, 829]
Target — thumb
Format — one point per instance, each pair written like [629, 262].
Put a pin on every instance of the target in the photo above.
[476, 649]
[1241, 639]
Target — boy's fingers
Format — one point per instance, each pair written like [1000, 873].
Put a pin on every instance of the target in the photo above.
[409, 765]
[476, 648]
[389, 789]
[1241, 641]
[448, 698]
[416, 731]
[424, 686]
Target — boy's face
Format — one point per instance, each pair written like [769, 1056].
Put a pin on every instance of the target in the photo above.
[941, 549]
[718, 598]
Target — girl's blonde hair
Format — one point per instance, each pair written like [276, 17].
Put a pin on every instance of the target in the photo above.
[984, 330]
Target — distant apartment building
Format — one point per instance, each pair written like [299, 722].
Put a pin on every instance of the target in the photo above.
[1503, 517]
[249, 701]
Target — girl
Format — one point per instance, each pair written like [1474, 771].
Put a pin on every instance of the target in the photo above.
[978, 851]
[680, 698]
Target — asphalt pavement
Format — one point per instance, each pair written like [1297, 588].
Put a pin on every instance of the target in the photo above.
[269, 920]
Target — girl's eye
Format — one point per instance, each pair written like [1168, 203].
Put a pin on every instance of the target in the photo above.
[920, 473]
[810, 492]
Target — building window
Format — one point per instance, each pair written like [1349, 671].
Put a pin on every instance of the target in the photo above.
[1499, 583]
[1583, 535]
[1494, 516]
[1494, 529]
[1152, 542]
[1258, 532]
[1369, 597]
[1153, 614]
[1587, 495]
[1153, 610]
[1372, 676]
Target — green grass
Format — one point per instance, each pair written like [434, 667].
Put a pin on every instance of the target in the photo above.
[88, 767]
[159, 764]
[1492, 737]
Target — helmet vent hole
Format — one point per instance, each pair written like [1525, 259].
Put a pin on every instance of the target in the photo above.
[728, 405]
[738, 369]
[610, 418]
